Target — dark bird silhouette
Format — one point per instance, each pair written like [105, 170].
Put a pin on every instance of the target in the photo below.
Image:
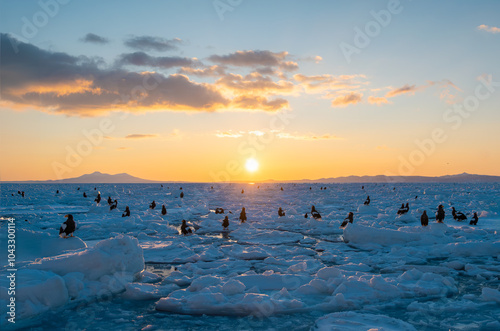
[458, 216]
[84, 194]
[98, 199]
[182, 195]
[219, 210]
[314, 213]
[243, 215]
[152, 205]
[225, 222]
[367, 201]
[127, 212]
[113, 205]
[163, 210]
[68, 227]
[440, 214]
[185, 229]
[281, 212]
[305, 216]
[348, 219]
[110, 201]
[242, 191]
[474, 219]
[404, 209]
[424, 219]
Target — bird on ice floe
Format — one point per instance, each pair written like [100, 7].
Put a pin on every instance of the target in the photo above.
[348, 219]
[68, 227]
[474, 219]
[314, 213]
[424, 219]
[163, 210]
[458, 216]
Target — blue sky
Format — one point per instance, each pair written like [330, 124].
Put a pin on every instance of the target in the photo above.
[434, 49]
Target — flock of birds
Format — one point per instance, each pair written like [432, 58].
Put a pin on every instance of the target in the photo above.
[69, 226]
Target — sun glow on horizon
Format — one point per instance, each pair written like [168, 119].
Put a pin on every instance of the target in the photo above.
[252, 165]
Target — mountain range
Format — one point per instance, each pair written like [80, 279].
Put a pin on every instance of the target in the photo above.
[101, 178]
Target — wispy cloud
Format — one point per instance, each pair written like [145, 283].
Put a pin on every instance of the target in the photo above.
[401, 90]
[93, 38]
[140, 136]
[150, 43]
[377, 100]
[345, 100]
[310, 137]
[228, 134]
[490, 29]
[256, 58]
[278, 134]
[143, 59]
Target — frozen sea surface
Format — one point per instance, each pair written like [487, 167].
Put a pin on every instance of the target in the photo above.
[295, 273]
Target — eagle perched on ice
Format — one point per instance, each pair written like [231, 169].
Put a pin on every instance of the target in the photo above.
[68, 227]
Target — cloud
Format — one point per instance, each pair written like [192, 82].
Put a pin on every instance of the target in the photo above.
[249, 102]
[325, 83]
[345, 100]
[255, 59]
[140, 136]
[278, 134]
[61, 83]
[490, 29]
[212, 71]
[377, 100]
[402, 90]
[93, 38]
[149, 43]
[309, 137]
[143, 59]
[255, 83]
[228, 134]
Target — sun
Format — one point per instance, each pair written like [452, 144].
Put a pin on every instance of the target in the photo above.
[252, 165]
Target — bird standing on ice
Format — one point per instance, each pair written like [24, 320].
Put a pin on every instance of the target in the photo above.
[440, 214]
[367, 201]
[314, 213]
[458, 216]
[348, 219]
[225, 222]
[474, 219]
[163, 210]
[424, 219]
[68, 227]
[98, 199]
[243, 215]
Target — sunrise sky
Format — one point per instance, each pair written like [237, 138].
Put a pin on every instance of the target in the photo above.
[191, 90]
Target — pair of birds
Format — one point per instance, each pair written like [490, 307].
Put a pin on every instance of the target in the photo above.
[404, 209]
[314, 213]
